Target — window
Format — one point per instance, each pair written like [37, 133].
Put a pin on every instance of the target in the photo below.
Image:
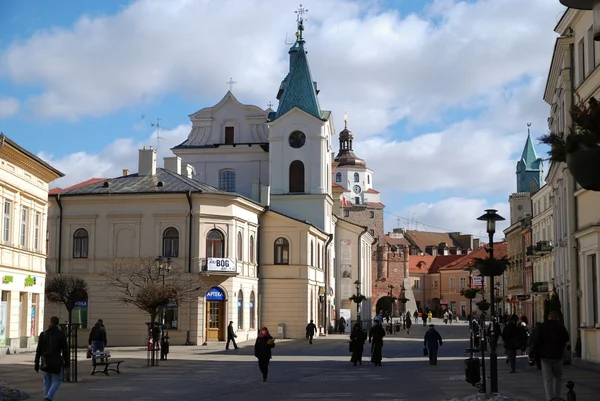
[371, 214]
[170, 243]
[80, 314]
[417, 284]
[240, 308]
[240, 249]
[435, 284]
[36, 232]
[319, 254]
[368, 179]
[229, 135]
[356, 177]
[346, 213]
[297, 139]
[215, 244]
[297, 177]
[591, 56]
[282, 251]
[357, 200]
[6, 225]
[252, 312]
[80, 244]
[372, 232]
[312, 253]
[23, 236]
[338, 177]
[171, 314]
[452, 283]
[581, 59]
[595, 316]
[227, 180]
[252, 251]
[462, 282]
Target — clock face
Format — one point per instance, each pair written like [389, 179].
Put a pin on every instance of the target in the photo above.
[357, 189]
[297, 139]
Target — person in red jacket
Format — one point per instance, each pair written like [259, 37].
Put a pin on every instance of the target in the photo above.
[262, 351]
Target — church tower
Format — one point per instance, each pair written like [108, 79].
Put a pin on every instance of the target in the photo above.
[300, 144]
[529, 168]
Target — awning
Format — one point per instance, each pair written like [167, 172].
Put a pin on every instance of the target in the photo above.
[442, 302]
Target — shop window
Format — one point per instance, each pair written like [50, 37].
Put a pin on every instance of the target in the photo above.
[171, 315]
[240, 308]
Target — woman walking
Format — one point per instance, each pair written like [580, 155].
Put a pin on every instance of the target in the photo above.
[408, 323]
[262, 351]
[376, 335]
[357, 344]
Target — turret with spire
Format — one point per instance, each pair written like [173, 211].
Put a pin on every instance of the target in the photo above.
[529, 167]
[346, 156]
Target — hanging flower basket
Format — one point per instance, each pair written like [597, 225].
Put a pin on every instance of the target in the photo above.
[500, 298]
[483, 305]
[584, 165]
[491, 266]
[403, 300]
[470, 292]
[539, 287]
[357, 298]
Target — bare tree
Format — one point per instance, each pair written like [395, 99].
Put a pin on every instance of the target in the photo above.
[66, 290]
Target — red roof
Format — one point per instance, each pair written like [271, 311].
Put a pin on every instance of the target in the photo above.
[420, 263]
[396, 241]
[372, 191]
[466, 261]
[91, 181]
[375, 204]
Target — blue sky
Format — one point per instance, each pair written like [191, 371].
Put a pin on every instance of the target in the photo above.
[438, 92]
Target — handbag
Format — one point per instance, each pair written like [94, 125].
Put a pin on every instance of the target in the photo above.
[88, 354]
[425, 351]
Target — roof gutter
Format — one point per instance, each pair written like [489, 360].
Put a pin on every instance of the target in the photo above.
[60, 229]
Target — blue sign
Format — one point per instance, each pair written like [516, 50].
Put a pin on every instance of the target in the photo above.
[215, 294]
[81, 304]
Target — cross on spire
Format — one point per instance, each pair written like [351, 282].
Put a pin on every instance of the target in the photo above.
[270, 104]
[345, 119]
[300, 13]
[231, 82]
[528, 128]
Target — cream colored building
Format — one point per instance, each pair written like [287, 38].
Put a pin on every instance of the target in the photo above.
[574, 77]
[24, 180]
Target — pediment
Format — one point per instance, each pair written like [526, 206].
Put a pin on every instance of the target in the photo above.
[229, 99]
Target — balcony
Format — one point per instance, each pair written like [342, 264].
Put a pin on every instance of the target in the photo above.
[541, 248]
[539, 287]
[218, 267]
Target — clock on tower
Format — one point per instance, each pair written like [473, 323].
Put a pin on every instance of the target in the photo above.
[357, 189]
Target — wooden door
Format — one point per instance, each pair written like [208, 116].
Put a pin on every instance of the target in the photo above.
[214, 321]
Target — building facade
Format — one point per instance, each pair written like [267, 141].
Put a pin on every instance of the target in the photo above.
[24, 180]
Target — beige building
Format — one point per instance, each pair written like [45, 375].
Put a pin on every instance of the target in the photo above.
[574, 77]
[24, 180]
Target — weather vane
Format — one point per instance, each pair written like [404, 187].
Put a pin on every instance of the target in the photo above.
[345, 119]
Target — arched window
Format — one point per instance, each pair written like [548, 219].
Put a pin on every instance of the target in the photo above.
[356, 177]
[240, 249]
[227, 180]
[252, 311]
[170, 243]
[338, 177]
[80, 243]
[215, 244]
[282, 251]
[371, 214]
[240, 309]
[297, 177]
[252, 249]
[312, 253]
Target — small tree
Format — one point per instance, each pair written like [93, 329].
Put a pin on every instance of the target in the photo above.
[66, 290]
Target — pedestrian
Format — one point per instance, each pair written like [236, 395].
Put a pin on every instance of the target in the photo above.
[416, 316]
[446, 315]
[551, 344]
[342, 325]
[311, 330]
[97, 339]
[424, 319]
[429, 316]
[357, 344]
[376, 335]
[51, 356]
[408, 323]
[534, 355]
[262, 351]
[432, 340]
[511, 337]
[231, 336]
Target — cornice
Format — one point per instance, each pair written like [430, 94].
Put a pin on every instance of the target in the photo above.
[27, 161]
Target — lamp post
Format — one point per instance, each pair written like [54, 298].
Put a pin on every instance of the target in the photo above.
[358, 296]
[391, 296]
[593, 5]
[491, 216]
[164, 268]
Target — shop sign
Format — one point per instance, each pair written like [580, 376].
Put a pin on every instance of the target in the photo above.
[215, 294]
[81, 304]
[30, 281]
[7, 279]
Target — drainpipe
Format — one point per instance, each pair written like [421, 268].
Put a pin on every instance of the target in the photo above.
[327, 267]
[359, 260]
[190, 231]
[259, 281]
[60, 228]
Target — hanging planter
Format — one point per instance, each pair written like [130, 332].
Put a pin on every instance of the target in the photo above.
[357, 298]
[491, 266]
[580, 149]
[483, 305]
[500, 298]
[539, 286]
[470, 292]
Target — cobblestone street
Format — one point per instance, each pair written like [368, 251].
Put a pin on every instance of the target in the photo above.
[298, 371]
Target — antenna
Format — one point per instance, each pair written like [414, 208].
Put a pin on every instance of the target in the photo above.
[157, 126]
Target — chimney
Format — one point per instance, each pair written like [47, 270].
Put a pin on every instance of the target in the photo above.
[147, 161]
[125, 172]
[265, 195]
[173, 164]
[188, 171]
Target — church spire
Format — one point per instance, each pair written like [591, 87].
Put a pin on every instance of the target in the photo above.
[346, 156]
[529, 155]
[529, 169]
[298, 89]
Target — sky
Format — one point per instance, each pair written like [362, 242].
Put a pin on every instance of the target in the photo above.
[438, 93]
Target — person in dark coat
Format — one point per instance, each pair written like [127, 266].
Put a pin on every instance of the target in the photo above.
[311, 330]
[262, 351]
[408, 323]
[97, 338]
[53, 353]
[432, 340]
[231, 336]
[551, 345]
[357, 343]
[376, 335]
[534, 356]
[511, 337]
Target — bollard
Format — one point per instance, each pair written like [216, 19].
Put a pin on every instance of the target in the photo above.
[472, 371]
[571, 396]
[70, 330]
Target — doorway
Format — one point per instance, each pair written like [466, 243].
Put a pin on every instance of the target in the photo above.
[215, 319]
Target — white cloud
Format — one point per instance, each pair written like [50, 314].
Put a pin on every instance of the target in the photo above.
[9, 106]
[451, 214]
[110, 161]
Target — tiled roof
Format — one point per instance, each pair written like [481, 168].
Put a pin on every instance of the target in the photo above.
[164, 181]
[375, 204]
[500, 250]
[57, 190]
[441, 261]
[338, 187]
[372, 191]
[422, 239]
[395, 241]
[420, 263]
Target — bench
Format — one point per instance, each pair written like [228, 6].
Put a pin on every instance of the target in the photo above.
[102, 358]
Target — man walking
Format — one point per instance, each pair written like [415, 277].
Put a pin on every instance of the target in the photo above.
[97, 338]
[432, 339]
[231, 336]
[51, 355]
[551, 344]
[311, 330]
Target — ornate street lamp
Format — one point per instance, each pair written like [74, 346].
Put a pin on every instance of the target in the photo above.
[357, 299]
[593, 5]
[164, 268]
[491, 216]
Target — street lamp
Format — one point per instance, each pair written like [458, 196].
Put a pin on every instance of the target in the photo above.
[164, 268]
[491, 216]
[593, 5]
[391, 296]
[359, 298]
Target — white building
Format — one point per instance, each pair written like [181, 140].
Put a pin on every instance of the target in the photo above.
[24, 182]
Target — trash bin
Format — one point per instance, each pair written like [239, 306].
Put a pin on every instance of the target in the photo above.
[472, 371]
[281, 331]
